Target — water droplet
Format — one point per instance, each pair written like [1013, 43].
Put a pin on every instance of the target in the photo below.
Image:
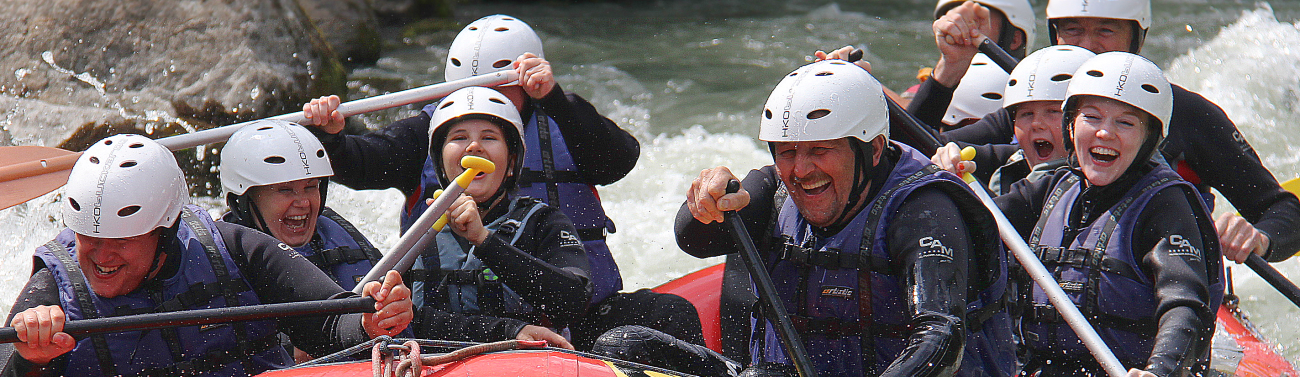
[21, 73]
[256, 92]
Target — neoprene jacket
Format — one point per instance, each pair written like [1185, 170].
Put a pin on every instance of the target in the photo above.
[1182, 284]
[1203, 146]
[394, 156]
[936, 323]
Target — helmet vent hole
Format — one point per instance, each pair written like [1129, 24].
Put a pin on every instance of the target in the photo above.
[792, 74]
[1150, 88]
[767, 113]
[446, 105]
[1095, 73]
[320, 153]
[108, 142]
[500, 63]
[455, 62]
[274, 160]
[264, 128]
[473, 27]
[817, 114]
[75, 206]
[1013, 82]
[128, 164]
[128, 211]
[992, 96]
[819, 74]
[838, 63]
[94, 160]
[497, 100]
[507, 19]
[503, 28]
[1062, 77]
[136, 145]
[979, 64]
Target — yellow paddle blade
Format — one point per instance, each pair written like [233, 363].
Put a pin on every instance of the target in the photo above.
[1292, 186]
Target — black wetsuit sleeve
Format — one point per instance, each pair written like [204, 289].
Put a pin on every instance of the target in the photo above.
[931, 103]
[392, 156]
[431, 323]
[1023, 203]
[278, 274]
[553, 275]
[996, 127]
[1173, 255]
[1223, 159]
[934, 250]
[40, 290]
[710, 240]
[603, 152]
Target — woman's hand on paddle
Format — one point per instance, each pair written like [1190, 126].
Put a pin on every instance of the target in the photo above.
[393, 306]
[530, 332]
[957, 35]
[842, 54]
[324, 113]
[707, 198]
[1238, 238]
[1140, 373]
[464, 219]
[535, 75]
[948, 157]
[41, 336]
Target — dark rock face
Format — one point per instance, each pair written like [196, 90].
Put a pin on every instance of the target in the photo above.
[350, 26]
[76, 70]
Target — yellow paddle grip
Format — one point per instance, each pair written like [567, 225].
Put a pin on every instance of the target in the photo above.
[967, 154]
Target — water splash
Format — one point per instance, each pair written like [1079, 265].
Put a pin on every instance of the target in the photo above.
[48, 57]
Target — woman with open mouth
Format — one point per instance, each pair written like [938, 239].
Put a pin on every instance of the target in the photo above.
[1129, 241]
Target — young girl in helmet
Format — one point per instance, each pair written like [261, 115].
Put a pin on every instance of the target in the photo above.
[1033, 98]
[500, 254]
[1129, 241]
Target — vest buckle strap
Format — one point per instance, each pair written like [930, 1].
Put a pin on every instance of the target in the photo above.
[1043, 313]
[509, 227]
[829, 258]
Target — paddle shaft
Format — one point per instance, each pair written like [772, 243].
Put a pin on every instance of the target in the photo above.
[920, 132]
[997, 54]
[771, 305]
[361, 106]
[199, 317]
[1274, 278]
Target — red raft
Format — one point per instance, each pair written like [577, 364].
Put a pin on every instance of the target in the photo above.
[1238, 348]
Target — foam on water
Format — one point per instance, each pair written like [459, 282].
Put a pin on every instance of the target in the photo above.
[1249, 70]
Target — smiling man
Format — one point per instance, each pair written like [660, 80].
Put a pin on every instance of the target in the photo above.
[868, 243]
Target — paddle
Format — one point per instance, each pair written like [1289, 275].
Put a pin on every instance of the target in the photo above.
[997, 54]
[923, 134]
[402, 255]
[1270, 274]
[199, 317]
[1043, 278]
[772, 308]
[27, 172]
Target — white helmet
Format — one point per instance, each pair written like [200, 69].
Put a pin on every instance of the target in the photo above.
[1044, 75]
[490, 44]
[479, 103]
[271, 151]
[826, 100]
[1019, 13]
[124, 186]
[1138, 11]
[1127, 78]
[979, 93]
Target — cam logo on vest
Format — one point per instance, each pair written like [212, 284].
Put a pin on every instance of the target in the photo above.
[935, 248]
[569, 239]
[1183, 247]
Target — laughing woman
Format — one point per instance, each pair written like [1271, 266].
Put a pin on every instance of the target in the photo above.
[1127, 239]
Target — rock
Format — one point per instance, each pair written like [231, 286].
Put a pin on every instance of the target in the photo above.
[87, 68]
[403, 11]
[350, 26]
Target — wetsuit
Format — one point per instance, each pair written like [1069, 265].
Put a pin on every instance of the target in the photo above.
[934, 319]
[337, 248]
[1152, 292]
[540, 277]
[1203, 146]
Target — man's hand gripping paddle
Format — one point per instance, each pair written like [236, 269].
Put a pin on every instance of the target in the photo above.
[29, 171]
[771, 305]
[1043, 278]
[402, 255]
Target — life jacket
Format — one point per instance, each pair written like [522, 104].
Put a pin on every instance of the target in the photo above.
[207, 278]
[821, 282]
[344, 253]
[451, 278]
[1099, 262]
[551, 175]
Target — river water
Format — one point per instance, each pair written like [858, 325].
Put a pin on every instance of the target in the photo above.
[688, 79]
